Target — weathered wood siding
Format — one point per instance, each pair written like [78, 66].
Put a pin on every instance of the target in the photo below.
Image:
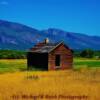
[66, 58]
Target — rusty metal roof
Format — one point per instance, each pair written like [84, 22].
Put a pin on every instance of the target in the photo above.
[44, 48]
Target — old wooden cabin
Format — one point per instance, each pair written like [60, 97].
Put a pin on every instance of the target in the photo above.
[50, 56]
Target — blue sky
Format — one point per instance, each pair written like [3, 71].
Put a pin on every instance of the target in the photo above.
[81, 16]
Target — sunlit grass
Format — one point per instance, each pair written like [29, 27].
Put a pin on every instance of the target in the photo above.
[50, 83]
[13, 86]
[12, 65]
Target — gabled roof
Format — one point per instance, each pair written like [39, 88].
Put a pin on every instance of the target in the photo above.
[45, 47]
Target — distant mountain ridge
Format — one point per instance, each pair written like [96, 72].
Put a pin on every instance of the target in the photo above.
[21, 37]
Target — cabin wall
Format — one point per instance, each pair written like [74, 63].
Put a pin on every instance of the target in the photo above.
[37, 60]
[66, 58]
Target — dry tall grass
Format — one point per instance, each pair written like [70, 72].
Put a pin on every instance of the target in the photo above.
[51, 85]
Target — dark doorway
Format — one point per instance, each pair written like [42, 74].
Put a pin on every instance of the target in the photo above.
[37, 60]
[57, 60]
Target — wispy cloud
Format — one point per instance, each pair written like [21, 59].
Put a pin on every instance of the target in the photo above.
[4, 3]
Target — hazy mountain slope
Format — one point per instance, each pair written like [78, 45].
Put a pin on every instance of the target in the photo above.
[18, 36]
[74, 40]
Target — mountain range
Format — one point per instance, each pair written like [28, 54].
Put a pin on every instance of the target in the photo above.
[16, 36]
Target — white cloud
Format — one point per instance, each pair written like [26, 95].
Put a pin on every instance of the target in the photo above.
[4, 3]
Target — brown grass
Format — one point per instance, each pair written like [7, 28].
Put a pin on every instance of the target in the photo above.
[52, 85]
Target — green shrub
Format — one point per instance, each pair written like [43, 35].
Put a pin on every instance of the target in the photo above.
[88, 53]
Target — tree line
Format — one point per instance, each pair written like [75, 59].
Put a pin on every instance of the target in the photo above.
[14, 54]
[87, 53]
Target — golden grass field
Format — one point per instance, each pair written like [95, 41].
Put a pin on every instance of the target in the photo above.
[83, 84]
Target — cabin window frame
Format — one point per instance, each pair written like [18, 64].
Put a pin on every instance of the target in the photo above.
[58, 61]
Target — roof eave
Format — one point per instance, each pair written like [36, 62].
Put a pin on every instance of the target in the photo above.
[56, 46]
